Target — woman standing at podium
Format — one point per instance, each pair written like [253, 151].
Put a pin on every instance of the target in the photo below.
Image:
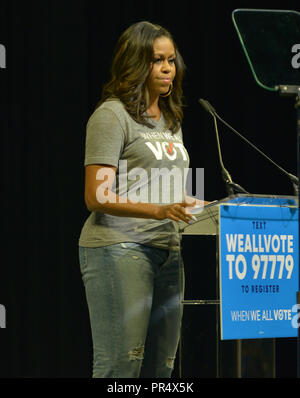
[129, 247]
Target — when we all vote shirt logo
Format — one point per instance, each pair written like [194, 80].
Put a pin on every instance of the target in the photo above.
[171, 147]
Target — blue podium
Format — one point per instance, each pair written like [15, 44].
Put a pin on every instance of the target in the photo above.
[257, 266]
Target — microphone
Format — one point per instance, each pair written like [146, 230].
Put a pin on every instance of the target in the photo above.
[231, 186]
[209, 108]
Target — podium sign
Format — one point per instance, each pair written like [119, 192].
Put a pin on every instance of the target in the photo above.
[259, 271]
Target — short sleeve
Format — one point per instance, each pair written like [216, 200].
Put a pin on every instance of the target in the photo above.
[104, 138]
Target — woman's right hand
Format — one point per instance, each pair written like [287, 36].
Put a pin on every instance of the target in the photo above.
[174, 211]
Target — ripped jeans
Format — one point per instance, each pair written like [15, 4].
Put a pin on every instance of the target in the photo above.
[134, 295]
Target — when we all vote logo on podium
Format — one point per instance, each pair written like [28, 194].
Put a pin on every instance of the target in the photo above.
[259, 278]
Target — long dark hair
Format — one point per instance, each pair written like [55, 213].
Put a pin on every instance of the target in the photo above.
[129, 72]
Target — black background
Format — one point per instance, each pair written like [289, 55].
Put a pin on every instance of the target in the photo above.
[58, 55]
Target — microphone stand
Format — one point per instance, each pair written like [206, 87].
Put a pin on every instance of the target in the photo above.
[209, 108]
[231, 187]
[292, 178]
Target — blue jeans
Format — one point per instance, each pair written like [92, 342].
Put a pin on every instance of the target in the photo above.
[134, 294]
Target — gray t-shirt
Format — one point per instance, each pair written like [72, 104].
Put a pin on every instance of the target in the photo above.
[151, 167]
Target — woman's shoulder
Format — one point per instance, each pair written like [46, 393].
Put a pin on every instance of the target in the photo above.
[111, 108]
[113, 104]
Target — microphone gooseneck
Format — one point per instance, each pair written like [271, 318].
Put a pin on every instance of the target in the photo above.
[231, 186]
[210, 109]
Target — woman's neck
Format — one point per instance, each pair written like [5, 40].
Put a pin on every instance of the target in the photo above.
[153, 108]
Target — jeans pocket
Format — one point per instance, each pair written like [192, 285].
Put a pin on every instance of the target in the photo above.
[82, 259]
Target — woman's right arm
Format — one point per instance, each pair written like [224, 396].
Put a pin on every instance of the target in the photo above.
[99, 197]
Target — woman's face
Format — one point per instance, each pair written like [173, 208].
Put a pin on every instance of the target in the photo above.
[162, 69]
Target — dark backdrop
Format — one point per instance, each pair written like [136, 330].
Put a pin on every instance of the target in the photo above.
[58, 55]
